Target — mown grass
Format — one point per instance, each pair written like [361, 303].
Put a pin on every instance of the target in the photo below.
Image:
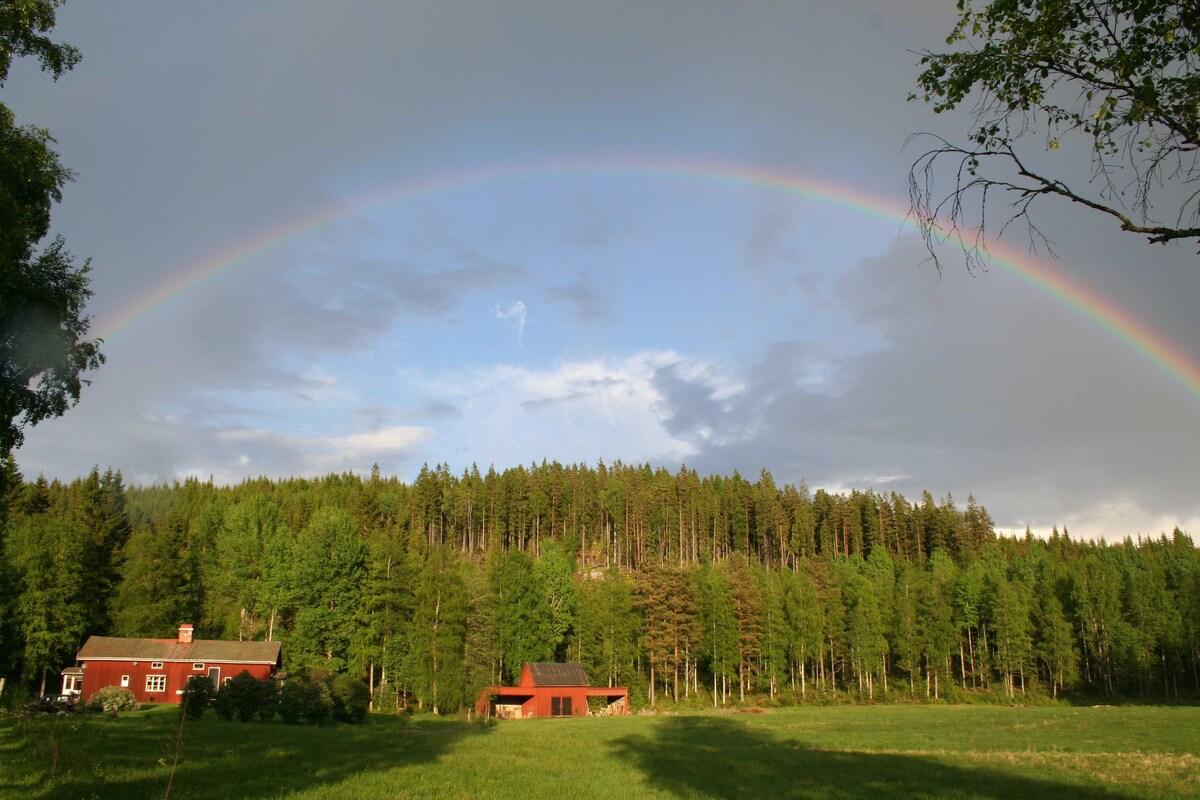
[842, 753]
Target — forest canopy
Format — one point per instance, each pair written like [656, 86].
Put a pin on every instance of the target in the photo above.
[688, 589]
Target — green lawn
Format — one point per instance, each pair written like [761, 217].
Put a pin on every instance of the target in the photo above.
[932, 751]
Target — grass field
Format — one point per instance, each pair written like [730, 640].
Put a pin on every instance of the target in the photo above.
[843, 753]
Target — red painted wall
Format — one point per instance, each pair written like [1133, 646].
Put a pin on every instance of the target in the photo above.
[98, 674]
[543, 694]
[541, 700]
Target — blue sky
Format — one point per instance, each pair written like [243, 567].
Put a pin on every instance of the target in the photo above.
[611, 315]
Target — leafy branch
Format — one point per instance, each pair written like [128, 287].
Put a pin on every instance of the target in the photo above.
[1121, 74]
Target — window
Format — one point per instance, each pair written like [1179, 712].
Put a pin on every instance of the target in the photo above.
[198, 667]
[560, 706]
[156, 683]
[155, 665]
[124, 681]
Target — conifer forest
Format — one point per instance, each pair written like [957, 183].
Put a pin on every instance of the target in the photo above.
[690, 590]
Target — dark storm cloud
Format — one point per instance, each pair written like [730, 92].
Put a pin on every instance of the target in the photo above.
[259, 332]
[195, 130]
[1030, 410]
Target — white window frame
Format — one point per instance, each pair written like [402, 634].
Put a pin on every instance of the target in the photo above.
[156, 665]
[198, 667]
[159, 683]
[124, 681]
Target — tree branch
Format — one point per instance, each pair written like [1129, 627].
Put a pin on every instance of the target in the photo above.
[946, 219]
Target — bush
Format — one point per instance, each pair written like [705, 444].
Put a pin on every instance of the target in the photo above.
[113, 698]
[246, 698]
[268, 700]
[305, 700]
[351, 699]
[197, 696]
[315, 698]
[292, 702]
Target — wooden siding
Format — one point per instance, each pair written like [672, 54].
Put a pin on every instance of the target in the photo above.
[97, 674]
[565, 684]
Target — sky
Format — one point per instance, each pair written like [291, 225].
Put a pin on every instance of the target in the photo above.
[324, 236]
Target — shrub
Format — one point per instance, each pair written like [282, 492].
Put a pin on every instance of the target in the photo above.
[197, 696]
[246, 698]
[306, 699]
[291, 703]
[112, 699]
[351, 699]
[268, 700]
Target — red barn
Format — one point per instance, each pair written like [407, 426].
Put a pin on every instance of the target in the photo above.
[551, 690]
[155, 670]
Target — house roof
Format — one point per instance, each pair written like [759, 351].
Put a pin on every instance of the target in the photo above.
[113, 648]
[548, 674]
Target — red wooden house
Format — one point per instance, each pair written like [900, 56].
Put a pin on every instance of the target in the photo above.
[552, 690]
[155, 670]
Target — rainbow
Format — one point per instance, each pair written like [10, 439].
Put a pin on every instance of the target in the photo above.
[1100, 310]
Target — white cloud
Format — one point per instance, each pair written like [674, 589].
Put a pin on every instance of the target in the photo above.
[1115, 520]
[316, 455]
[575, 411]
[515, 312]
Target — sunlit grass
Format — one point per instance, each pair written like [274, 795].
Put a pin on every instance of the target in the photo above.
[842, 753]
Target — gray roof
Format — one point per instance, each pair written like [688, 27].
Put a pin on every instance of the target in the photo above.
[113, 648]
[548, 674]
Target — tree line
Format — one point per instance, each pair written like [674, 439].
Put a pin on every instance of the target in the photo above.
[708, 590]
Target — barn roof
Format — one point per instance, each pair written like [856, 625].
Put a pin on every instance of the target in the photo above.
[548, 674]
[113, 648]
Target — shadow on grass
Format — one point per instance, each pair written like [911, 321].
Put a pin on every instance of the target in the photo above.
[130, 757]
[715, 757]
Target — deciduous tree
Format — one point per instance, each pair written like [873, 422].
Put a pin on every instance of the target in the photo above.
[43, 349]
[524, 620]
[1116, 77]
[328, 571]
[434, 666]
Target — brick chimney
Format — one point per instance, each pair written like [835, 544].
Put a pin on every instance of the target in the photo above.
[185, 633]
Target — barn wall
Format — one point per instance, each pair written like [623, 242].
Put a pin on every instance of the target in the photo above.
[98, 674]
[544, 694]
